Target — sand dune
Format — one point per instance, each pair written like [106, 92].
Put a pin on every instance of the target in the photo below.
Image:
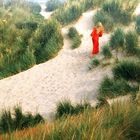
[64, 77]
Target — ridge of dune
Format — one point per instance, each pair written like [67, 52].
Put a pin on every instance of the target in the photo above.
[66, 76]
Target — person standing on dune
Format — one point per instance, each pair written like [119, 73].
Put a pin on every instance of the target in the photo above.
[96, 33]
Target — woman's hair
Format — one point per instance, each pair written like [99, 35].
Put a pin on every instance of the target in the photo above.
[99, 24]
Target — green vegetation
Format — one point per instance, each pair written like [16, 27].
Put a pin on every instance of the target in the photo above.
[65, 108]
[106, 52]
[138, 24]
[27, 25]
[34, 7]
[115, 12]
[131, 42]
[111, 88]
[68, 14]
[94, 63]
[128, 70]
[126, 42]
[10, 123]
[54, 4]
[105, 19]
[76, 38]
[117, 39]
[126, 79]
[72, 32]
[47, 41]
[119, 121]
[26, 39]
[73, 9]
[121, 11]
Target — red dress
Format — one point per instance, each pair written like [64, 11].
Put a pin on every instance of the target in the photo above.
[95, 39]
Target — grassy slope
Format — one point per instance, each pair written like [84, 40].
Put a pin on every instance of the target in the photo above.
[120, 121]
[24, 41]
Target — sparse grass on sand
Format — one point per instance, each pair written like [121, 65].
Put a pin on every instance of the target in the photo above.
[76, 38]
[120, 121]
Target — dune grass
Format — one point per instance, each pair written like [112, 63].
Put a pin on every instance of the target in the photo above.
[72, 10]
[105, 19]
[10, 122]
[137, 26]
[120, 121]
[114, 13]
[93, 63]
[131, 43]
[54, 4]
[111, 88]
[66, 108]
[120, 10]
[125, 80]
[23, 40]
[128, 70]
[106, 52]
[47, 41]
[75, 36]
[117, 39]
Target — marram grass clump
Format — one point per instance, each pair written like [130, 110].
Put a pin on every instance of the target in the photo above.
[76, 38]
[93, 63]
[66, 108]
[54, 4]
[117, 39]
[106, 52]
[128, 70]
[131, 42]
[105, 19]
[18, 121]
[137, 26]
[118, 121]
[111, 88]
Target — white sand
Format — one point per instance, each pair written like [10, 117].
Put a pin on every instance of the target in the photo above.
[137, 11]
[43, 12]
[64, 77]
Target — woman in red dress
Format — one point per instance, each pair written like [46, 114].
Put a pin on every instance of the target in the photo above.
[96, 33]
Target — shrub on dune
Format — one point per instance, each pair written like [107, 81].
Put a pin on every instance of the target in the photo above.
[26, 39]
[18, 121]
[72, 32]
[94, 63]
[27, 25]
[118, 121]
[117, 39]
[137, 26]
[120, 11]
[106, 52]
[111, 88]
[106, 20]
[131, 42]
[76, 42]
[47, 41]
[65, 108]
[53, 5]
[128, 70]
[35, 8]
[68, 14]
[76, 38]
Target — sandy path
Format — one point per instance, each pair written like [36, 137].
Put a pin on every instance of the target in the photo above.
[66, 76]
[43, 12]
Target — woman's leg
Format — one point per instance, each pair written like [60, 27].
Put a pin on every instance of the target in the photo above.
[95, 47]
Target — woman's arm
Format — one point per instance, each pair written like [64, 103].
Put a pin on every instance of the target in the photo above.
[93, 32]
[100, 34]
